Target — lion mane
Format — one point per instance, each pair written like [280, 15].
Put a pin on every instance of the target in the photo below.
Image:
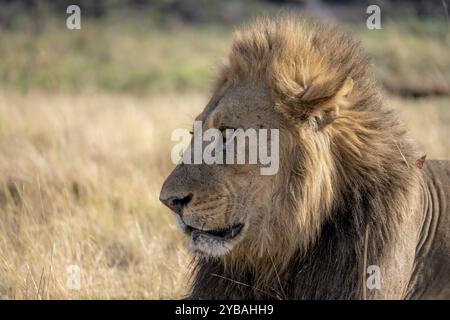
[347, 198]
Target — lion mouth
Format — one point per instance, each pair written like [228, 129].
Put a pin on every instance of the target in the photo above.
[218, 234]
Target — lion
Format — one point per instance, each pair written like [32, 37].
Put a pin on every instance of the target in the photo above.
[352, 212]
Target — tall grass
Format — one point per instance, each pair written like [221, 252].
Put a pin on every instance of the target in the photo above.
[79, 184]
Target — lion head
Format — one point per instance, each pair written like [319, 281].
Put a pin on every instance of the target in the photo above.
[310, 82]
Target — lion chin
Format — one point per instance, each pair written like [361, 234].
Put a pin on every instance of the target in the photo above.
[212, 243]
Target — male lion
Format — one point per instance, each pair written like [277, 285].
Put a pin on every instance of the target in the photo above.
[350, 192]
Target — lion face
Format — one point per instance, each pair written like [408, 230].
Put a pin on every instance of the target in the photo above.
[222, 205]
[277, 78]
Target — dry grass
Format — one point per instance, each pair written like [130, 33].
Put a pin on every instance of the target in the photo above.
[79, 183]
[428, 121]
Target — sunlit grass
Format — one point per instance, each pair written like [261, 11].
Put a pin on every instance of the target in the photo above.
[79, 184]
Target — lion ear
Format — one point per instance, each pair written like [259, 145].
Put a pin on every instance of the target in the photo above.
[319, 93]
[322, 101]
[346, 88]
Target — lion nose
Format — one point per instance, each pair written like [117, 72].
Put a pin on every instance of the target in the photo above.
[177, 204]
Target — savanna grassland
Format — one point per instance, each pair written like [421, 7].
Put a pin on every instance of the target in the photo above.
[85, 124]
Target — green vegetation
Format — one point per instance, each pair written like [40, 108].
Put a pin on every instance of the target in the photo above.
[412, 54]
[112, 55]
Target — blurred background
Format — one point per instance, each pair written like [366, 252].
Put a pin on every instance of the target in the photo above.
[86, 117]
